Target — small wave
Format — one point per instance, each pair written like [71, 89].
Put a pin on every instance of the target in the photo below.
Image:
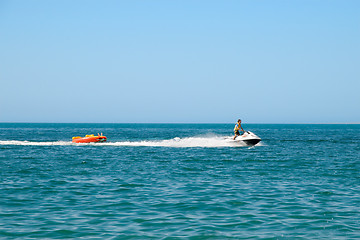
[208, 142]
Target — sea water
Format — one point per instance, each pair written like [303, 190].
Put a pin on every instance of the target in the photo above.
[179, 181]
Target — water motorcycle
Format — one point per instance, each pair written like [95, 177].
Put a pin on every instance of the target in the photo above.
[249, 138]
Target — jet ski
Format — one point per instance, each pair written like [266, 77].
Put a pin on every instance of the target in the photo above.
[249, 138]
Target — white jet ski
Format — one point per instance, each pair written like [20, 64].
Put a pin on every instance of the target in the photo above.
[249, 138]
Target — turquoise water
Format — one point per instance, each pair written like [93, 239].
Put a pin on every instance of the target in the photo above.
[179, 181]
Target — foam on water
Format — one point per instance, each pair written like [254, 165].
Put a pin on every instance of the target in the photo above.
[209, 142]
[203, 141]
[28, 143]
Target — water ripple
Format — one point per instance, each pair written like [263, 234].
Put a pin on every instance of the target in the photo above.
[289, 188]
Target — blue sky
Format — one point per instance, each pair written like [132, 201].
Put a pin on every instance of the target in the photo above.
[180, 61]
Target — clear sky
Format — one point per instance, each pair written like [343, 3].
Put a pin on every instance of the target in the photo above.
[180, 61]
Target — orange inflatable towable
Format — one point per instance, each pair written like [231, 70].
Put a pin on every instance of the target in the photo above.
[89, 139]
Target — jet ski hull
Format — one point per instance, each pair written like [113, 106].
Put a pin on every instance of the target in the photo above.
[251, 142]
[249, 138]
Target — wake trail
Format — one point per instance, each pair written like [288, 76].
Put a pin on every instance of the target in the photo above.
[29, 143]
[209, 142]
[188, 142]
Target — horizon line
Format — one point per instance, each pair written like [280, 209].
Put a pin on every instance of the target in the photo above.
[335, 123]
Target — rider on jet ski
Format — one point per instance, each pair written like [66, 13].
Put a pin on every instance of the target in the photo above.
[237, 129]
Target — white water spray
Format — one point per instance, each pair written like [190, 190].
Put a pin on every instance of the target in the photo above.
[188, 142]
